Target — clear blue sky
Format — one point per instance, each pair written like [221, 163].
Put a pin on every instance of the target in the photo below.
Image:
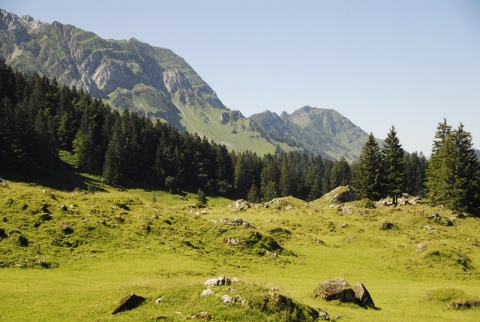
[407, 63]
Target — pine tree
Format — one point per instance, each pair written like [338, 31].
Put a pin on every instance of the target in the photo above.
[438, 175]
[369, 176]
[270, 191]
[201, 198]
[314, 179]
[269, 176]
[416, 165]
[453, 175]
[113, 168]
[253, 194]
[393, 165]
[465, 190]
[341, 173]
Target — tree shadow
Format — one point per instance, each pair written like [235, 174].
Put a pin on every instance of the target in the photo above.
[64, 178]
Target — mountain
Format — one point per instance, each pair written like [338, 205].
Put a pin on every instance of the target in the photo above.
[321, 131]
[130, 74]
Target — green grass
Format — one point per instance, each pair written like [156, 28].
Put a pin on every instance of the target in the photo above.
[105, 258]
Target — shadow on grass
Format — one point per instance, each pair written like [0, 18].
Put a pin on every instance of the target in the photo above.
[64, 177]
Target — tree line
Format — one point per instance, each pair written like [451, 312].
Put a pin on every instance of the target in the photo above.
[39, 118]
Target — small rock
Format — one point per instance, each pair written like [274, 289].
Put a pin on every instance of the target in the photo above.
[64, 207]
[66, 229]
[207, 292]
[227, 299]
[158, 301]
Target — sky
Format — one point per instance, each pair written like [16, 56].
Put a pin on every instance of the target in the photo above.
[380, 63]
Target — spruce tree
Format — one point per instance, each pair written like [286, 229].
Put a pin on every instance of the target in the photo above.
[253, 195]
[369, 176]
[416, 165]
[201, 198]
[453, 175]
[393, 165]
[465, 190]
[341, 173]
[438, 175]
[113, 168]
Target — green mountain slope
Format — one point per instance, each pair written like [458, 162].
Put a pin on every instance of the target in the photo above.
[321, 131]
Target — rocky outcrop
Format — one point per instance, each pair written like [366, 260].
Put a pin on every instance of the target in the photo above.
[341, 194]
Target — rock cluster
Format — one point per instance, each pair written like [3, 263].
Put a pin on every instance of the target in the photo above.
[340, 289]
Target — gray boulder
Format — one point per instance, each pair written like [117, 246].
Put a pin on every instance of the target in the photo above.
[363, 296]
[336, 289]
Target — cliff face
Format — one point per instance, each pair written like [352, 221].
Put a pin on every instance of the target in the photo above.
[104, 68]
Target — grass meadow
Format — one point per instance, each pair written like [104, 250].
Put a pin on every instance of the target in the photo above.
[98, 245]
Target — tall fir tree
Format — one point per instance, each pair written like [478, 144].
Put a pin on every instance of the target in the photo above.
[465, 188]
[341, 173]
[438, 174]
[393, 165]
[369, 172]
[416, 165]
[453, 174]
[113, 167]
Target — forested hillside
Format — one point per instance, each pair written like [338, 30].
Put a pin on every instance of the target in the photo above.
[42, 121]
[41, 118]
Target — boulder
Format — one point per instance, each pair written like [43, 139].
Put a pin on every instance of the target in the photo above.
[363, 296]
[335, 289]
[207, 292]
[221, 280]
[128, 303]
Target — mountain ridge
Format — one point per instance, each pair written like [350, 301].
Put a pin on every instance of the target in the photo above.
[155, 82]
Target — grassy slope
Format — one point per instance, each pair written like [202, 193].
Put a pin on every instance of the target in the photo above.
[104, 259]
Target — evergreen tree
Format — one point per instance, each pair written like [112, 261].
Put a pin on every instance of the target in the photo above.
[369, 176]
[271, 191]
[393, 166]
[201, 198]
[415, 172]
[314, 179]
[7, 134]
[465, 190]
[113, 168]
[341, 173]
[438, 175]
[269, 177]
[453, 174]
[253, 194]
